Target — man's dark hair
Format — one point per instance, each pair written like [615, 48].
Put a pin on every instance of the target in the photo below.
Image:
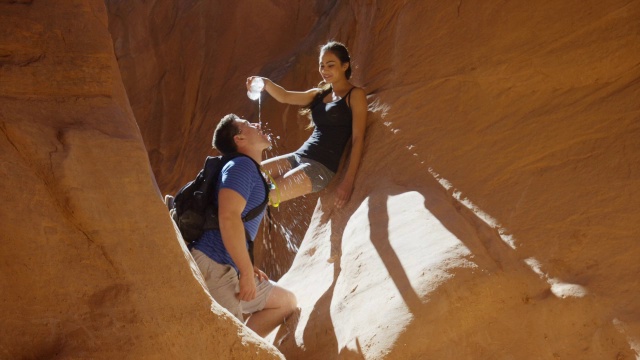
[223, 136]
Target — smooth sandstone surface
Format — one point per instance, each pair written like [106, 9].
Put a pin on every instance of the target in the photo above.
[495, 214]
[91, 266]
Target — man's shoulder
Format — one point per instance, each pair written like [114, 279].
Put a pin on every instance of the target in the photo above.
[240, 174]
[241, 162]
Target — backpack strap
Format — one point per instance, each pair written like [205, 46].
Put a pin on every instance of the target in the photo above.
[211, 175]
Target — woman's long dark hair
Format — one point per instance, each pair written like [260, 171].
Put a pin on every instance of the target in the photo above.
[342, 53]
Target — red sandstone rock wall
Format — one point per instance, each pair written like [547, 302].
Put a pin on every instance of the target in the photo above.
[90, 265]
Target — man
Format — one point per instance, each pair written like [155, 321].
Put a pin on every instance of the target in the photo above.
[222, 255]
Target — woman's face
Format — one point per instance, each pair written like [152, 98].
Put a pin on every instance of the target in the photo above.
[330, 67]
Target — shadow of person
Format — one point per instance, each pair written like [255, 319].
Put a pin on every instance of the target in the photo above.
[319, 332]
[495, 262]
[284, 339]
[379, 236]
[348, 354]
[485, 247]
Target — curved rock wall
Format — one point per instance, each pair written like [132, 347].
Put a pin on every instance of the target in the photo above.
[91, 267]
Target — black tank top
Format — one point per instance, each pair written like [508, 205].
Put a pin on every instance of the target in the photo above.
[333, 126]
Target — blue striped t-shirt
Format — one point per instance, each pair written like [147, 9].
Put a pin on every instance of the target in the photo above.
[239, 174]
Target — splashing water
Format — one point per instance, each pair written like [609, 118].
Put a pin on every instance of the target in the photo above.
[281, 238]
[255, 92]
[264, 127]
[284, 231]
[288, 235]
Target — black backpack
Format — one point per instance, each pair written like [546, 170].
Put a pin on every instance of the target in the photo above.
[193, 208]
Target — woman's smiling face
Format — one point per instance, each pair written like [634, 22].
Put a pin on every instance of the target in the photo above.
[330, 67]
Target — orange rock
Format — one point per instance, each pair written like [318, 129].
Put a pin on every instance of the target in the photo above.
[90, 264]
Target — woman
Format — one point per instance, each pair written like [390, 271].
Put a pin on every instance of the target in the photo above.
[338, 113]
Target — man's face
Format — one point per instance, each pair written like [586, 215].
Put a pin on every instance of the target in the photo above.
[252, 133]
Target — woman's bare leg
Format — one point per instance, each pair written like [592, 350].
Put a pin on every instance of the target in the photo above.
[276, 166]
[291, 185]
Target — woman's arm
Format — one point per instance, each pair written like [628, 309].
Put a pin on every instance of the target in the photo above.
[359, 124]
[282, 95]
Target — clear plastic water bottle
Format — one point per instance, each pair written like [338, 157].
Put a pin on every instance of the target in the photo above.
[257, 84]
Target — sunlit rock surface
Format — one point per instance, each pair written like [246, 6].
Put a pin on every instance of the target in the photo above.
[90, 265]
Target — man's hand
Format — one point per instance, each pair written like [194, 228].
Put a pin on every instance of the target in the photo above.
[260, 274]
[247, 286]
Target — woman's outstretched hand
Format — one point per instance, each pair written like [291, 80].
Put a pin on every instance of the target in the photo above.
[343, 193]
[250, 79]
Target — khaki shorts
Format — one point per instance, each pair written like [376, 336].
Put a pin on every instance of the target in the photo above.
[223, 284]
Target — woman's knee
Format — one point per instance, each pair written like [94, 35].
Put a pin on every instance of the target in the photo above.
[293, 184]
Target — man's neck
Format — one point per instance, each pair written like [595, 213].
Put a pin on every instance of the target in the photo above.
[256, 155]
